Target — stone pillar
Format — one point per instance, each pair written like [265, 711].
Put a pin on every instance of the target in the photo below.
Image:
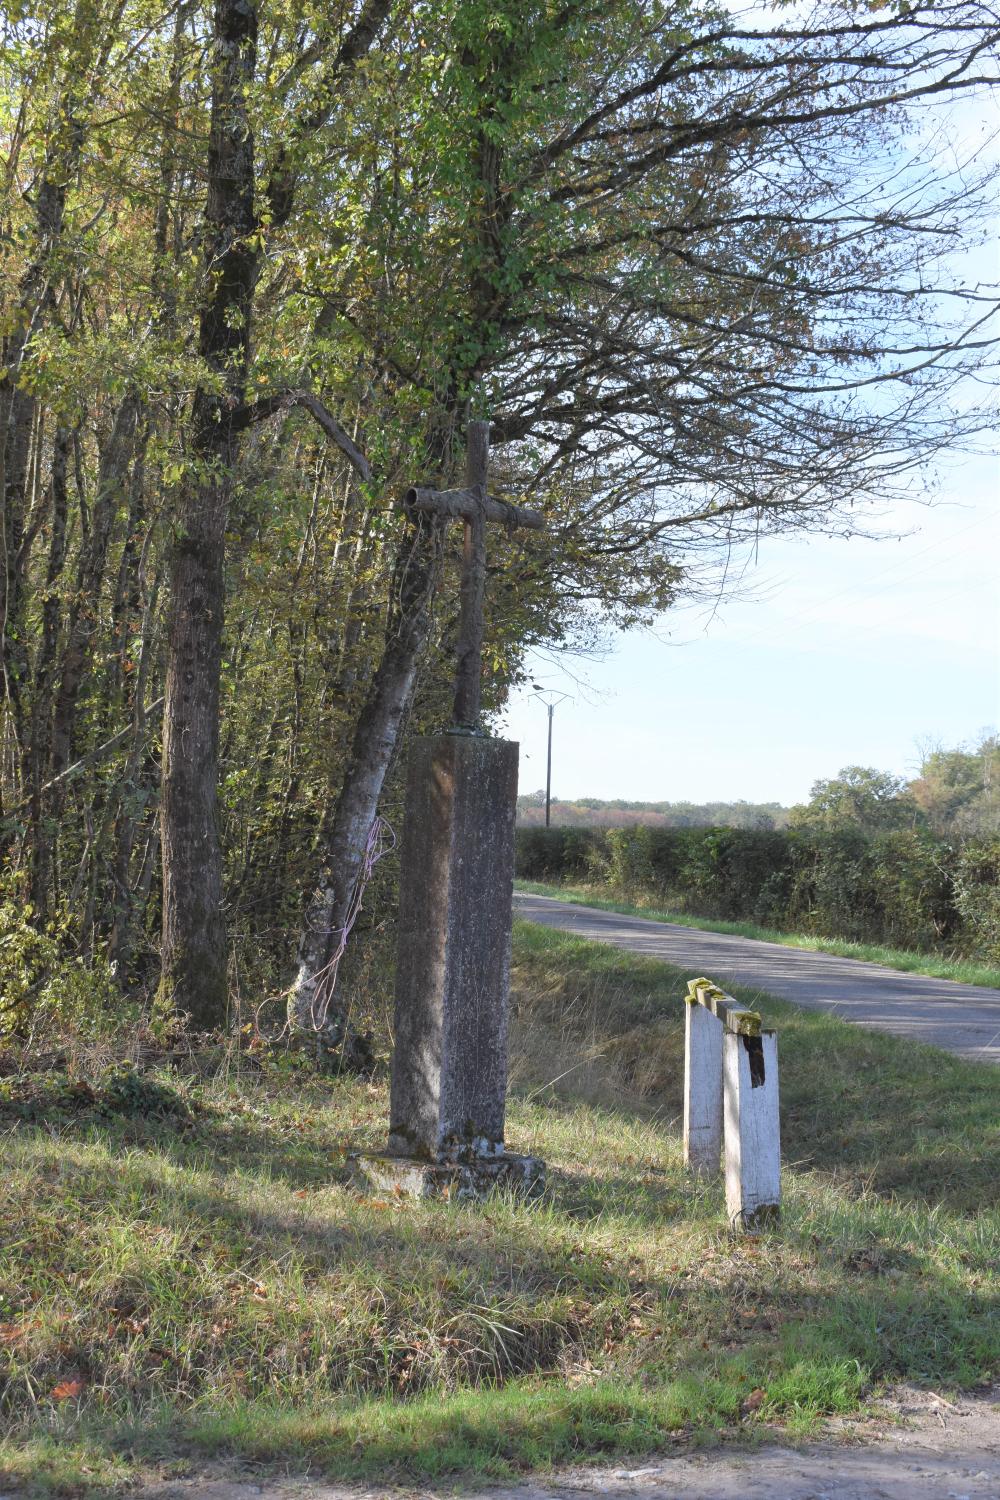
[449, 1067]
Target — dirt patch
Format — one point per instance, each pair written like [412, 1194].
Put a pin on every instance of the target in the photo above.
[919, 1446]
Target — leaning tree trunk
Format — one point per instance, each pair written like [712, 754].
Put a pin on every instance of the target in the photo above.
[375, 740]
[194, 959]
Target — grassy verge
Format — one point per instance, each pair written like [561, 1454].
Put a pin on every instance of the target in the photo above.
[184, 1271]
[964, 971]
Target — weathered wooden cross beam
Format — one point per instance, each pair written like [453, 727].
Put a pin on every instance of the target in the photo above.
[475, 507]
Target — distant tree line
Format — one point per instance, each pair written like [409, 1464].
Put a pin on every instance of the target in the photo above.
[592, 812]
[955, 792]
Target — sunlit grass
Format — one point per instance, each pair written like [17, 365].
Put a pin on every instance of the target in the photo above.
[937, 966]
[204, 1282]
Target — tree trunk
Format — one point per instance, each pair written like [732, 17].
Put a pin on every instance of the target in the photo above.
[18, 404]
[82, 622]
[40, 736]
[140, 780]
[193, 979]
[18, 414]
[375, 740]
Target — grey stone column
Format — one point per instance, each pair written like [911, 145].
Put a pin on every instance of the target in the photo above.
[449, 1070]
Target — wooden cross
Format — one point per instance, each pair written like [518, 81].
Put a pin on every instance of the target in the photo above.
[475, 507]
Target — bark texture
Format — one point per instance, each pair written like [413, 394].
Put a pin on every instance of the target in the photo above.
[19, 410]
[194, 957]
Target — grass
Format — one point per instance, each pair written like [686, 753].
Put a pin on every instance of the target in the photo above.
[938, 966]
[185, 1273]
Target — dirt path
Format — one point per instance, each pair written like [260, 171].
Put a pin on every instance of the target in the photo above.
[940, 1451]
[961, 1018]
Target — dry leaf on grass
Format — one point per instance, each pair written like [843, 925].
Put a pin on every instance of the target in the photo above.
[67, 1390]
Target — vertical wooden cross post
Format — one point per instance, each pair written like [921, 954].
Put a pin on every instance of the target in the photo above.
[469, 653]
[474, 506]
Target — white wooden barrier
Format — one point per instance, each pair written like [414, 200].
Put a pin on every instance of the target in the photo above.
[731, 1103]
[702, 1090]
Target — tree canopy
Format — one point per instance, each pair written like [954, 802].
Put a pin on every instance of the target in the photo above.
[953, 793]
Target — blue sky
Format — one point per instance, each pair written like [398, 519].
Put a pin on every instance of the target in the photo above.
[850, 652]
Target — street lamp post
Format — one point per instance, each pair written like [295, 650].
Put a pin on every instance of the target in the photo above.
[548, 769]
[550, 700]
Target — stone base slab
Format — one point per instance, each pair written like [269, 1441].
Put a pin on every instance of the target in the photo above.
[465, 1181]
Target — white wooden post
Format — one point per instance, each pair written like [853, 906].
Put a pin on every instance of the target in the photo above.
[752, 1131]
[702, 1088]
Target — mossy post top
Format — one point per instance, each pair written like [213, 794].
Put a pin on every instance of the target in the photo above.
[734, 1016]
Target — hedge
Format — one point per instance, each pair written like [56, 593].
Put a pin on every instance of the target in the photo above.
[907, 889]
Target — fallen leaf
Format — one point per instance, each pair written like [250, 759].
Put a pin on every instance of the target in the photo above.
[66, 1390]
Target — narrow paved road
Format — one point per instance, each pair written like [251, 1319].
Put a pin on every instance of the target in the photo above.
[961, 1018]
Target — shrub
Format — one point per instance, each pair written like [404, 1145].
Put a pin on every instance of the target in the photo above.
[977, 893]
[556, 853]
[916, 890]
[630, 858]
[43, 984]
[831, 892]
